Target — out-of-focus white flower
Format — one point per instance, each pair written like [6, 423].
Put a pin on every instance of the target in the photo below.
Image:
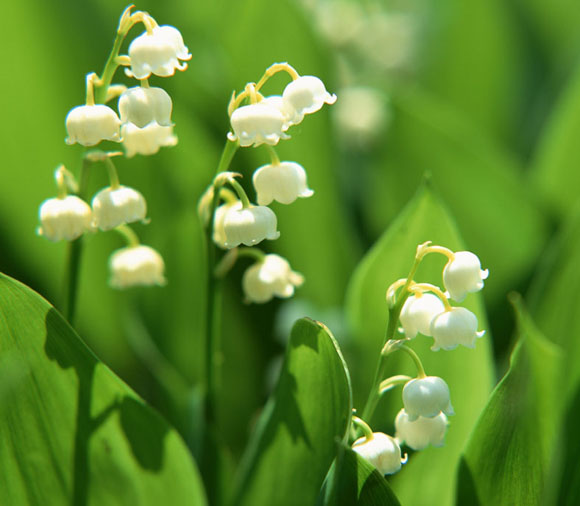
[418, 312]
[147, 140]
[64, 218]
[157, 53]
[454, 327]
[382, 451]
[283, 182]
[142, 106]
[422, 432]
[136, 266]
[116, 206]
[339, 21]
[463, 275]
[270, 277]
[249, 226]
[256, 124]
[90, 124]
[426, 397]
[306, 95]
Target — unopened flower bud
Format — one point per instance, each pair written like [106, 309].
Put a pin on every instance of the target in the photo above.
[463, 275]
[64, 218]
[142, 106]
[283, 182]
[418, 312]
[257, 124]
[422, 432]
[426, 397]
[90, 124]
[136, 266]
[454, 327]
[270, 277]
[249, 226]
[157, 53]
[307, 94]
[116, 206]
[147, 140]
[382, 451]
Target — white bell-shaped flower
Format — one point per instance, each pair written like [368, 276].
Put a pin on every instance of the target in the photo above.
[257, 124]
[249, 226]
[463, 275]
[382, 451]
[283, 182]
[270, 277]
[147, 140]
[426, 397]
[136, 266]
[90, 124]
[157, 53]
[422, 432]
[291, 117]
[219, 234]
[116, 206]
[454, 327]
[307, 94]
[142, 106]
[64, 218]
[418, 312]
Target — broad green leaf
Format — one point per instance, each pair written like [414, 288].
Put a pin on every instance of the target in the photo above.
[481, 184]
[468, 372]
[554, 171]
[71, 432]
[353, 481]
[294, 443]
[510, 450]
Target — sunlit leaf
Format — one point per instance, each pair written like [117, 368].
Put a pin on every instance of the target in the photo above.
[295, 439]
[71, 432]
[468, 372]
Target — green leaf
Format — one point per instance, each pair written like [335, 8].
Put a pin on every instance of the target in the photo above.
[554, 171]
[508, 454]
[71, 432]
[295, 439]
[468, 372]
[353, 481]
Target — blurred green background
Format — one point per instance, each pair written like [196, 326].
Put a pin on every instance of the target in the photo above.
[484, 96]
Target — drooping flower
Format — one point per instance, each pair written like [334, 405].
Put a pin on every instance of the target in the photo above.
[382, 451]
[142, 106]
[64, 218]
[249, 226]
[463, 275]
[219, 234]
[422, 432]
[306, 95]
[90, 124]
[426, 397]
[291, 117]
[147, 140]
[454, 327]
[283, 182]
[157, 53]
[116, 206]
[257, 124]
[270, 277]
[418, 312]
[136, 266]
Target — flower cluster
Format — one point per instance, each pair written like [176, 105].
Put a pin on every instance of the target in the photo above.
[143, 125]
[262, 120]
[424, 308]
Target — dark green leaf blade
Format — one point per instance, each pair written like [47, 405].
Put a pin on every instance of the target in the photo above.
[71, 432]
[295, 441]
[509, 452]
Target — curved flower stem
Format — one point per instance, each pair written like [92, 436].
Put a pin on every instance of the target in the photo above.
[274, 69]
[74, 254]
[392, 382]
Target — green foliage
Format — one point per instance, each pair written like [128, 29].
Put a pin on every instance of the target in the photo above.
[469, 373]
[71, 431]
[509, 453]
[295, 439]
